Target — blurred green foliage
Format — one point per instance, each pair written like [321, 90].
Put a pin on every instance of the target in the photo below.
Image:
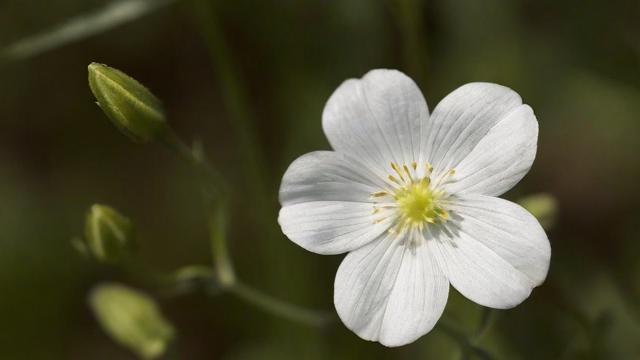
[576, 63]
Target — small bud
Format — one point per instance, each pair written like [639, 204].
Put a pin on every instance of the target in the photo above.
[129, 105]
[132, 319]
[108, 234]
[543, 206]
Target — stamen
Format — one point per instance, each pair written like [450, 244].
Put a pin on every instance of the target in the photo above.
[406, 169]
[380, 194]
[392, 178]
[445, 176]
[415, 203]
[444, 214]
[385, 206]
[429, 168]
[396, 168]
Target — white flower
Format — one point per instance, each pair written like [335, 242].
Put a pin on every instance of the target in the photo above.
[412, 198]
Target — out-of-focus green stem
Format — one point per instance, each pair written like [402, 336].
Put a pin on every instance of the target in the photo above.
[236, 101]
[211, 180]
[410, 20]
[467, 347]
[485, 323]
[217, 212]
[218, 233]
[112, 15]
[280, 308]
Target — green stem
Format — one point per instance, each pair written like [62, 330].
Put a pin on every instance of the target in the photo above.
[410, 20]
[466, 346]
[217, 222]
[215, 197]
[485, 323]
[234, 96]
[211, 180]
[218, 235]
[280, 308]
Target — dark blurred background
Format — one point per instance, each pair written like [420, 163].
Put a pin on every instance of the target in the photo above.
[225, 68]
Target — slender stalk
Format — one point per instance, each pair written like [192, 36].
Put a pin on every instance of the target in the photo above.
[237, 102]
[220, 251]
[211, 180]
[277, 307]
[216, 205]
[410, 20]
[467, 347]
[485, 323]
[235, 98]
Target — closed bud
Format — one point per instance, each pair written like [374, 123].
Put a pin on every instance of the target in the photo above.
[132, 319]
[127, 103]
[108, 234]
[543, 206]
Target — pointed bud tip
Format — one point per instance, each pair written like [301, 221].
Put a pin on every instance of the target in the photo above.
[127, 103]
[108, 234]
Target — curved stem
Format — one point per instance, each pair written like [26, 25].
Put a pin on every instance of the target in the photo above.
[410, 20]
[278, 307]
[220, 251]
[212, 181]
[234, 96]
[466, 346]
[216, 207]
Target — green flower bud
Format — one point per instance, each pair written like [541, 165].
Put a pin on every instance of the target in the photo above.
[108, 234]
[129, 105]
[132, 319]
[543, 206]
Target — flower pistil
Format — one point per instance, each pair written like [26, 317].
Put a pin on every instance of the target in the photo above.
[412, 199]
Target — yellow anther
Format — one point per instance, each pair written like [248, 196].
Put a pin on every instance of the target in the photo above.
[396, 168]
[406, 169]
[429, 167]
[416, 201]
[392, 178]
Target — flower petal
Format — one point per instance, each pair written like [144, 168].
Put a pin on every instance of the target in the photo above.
[377, 119]
[502, 158]
[327, 176]
[462, 119]
[326, 203]
[330, 227]
[494, 251]
[390, 292]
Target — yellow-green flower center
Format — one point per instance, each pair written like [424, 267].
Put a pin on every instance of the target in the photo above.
[418, 203]
[412, 199]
